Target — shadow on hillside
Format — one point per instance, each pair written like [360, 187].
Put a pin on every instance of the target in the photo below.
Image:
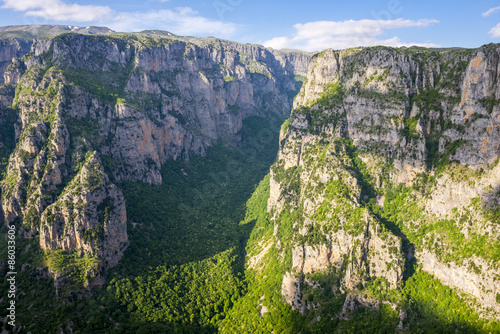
[491, 204]
[422, 317]
[408, 248]
[186, 257]
[195, 214]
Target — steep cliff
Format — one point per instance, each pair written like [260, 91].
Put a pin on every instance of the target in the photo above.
[11, 48]
[429, 121]
[135, 101]
[294, 61]
[89, 216]
[387, 169]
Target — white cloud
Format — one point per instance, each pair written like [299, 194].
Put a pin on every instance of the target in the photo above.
[320, 35]
[59, 11]
[491, 11]
[278, 43]
[181, 21]
[495, 31]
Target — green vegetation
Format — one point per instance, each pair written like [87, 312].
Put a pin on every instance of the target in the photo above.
[338, 193]
[410, 128]
[332, 95]
[199, 202]
[233, 109]
[264, 285]
[298, 77]
[106, 86]
[489, 103]
[87, 128]
[191, 237]
[435, 308]
[183, 271]
[443, 236]
[428, 100]
[191, 296]
[285, 125]
[7, 137]
[70, 264]
[318, 119]
[430, 306]
[391, 97]
[453, 70]
[230, 78]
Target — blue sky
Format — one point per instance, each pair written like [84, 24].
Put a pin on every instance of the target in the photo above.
[312, 25]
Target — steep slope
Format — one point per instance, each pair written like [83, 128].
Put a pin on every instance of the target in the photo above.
[8, 117]
[98, 110]
[11, 48]
[294, 61]
[387, 170]
[380, 214]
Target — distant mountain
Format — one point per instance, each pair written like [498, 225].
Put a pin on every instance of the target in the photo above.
[47, 31]
[420, 48]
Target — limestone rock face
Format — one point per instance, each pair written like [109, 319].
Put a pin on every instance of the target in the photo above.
[290, 290]
[370, 123]
[483, 284]
[176, 98]
[119, 107]
[90, 217]
[6, 99]
[14, 71]
[398, 76]
[333, 232]
[362, 257]
[294, 61]
[11, 48]
[309, 259]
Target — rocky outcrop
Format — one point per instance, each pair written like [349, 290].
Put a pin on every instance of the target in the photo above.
[89, 217]
[6, 126]
[6, 98]
[17, 41]
[355, 259]
[11, 48]
[354, 302]
[334, 233]
[375, 121]
[14, 72]
[295, 62]
[447, 94]
[342, 247]
[481, 283]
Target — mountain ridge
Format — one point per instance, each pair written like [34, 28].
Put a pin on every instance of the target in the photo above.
[116, 108]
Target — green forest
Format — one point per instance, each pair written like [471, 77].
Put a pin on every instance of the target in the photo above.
[184, 271]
